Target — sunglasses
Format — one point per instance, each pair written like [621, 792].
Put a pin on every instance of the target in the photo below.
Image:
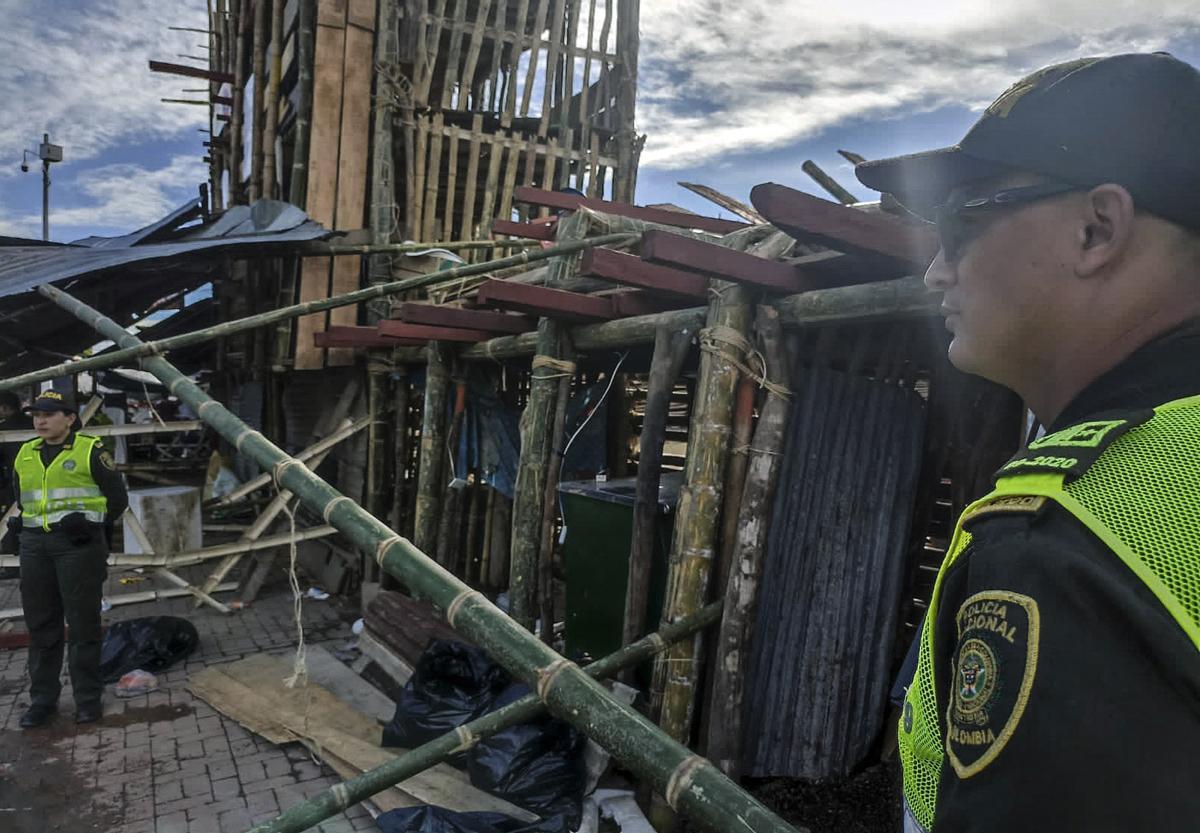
[960, 223]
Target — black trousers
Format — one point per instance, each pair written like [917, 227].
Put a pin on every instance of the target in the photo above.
[61, 582]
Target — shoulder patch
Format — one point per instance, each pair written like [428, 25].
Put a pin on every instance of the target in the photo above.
[106, 460]
[1006, 505]
[991, 676]
[1073, 450]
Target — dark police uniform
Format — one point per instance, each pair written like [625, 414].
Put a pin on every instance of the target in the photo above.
[63, 567]
[1101, 677]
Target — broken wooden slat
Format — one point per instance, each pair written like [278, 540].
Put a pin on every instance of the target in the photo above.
[408, 332]
[191, 72]
[725, 201]
[811, 218]
[436, 315]
[711, 259]
[629, 270]
[532, 231]
[541, 300]
[570, 202]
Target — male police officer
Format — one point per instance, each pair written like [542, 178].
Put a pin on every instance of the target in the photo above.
[1058, 685]
[68, 491]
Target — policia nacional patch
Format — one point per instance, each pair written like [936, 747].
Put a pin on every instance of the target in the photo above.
[991, 677]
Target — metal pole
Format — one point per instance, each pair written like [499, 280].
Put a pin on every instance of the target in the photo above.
[691, 785]
[46, 192]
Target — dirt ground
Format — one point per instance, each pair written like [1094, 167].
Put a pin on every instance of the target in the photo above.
[867, 802]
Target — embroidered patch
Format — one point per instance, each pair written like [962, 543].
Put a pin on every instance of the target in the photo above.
[991, 678]
[106, 460]
[1074, 449]
[1007, 505]
[69, 465]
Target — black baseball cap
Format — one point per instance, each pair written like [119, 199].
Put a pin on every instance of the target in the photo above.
[51, 401]
[1133, 120]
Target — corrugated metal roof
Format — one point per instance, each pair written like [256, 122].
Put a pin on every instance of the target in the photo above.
[24, 267]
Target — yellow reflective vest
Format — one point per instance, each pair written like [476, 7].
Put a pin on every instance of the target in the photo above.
[49, 494]
[1135, 483]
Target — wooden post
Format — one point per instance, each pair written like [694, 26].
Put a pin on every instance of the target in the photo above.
[550, 503]
[750, 542]
[433, 448]
[743, 425]
[396, 516]
[236, 151]
[531, 470]
[449, 524]
[377, 434]
[670, 350]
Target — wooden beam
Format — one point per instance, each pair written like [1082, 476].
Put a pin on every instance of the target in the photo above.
[356, 337]
[436, 315]
[723, 262]
[662, 216]
[630, 270]
[533, 231]
[192, 72]
[633, 302]
[810, 218]
[541, 300]
[408, 332]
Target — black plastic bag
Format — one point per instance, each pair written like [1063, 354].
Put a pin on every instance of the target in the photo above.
[430, 819]
[452, 684]
[151, 643]
[536, 765]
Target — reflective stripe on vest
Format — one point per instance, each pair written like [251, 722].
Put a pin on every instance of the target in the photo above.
[50, 494]
[1141, 498]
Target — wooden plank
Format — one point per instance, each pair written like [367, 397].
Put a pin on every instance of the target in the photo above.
[551, 71]
[539, 26]
[437, 315]
[455, 35]
[541, 300]
[531, 231]
[355, 338]
[508, 184]
[472, 60]
[468, 217]
[433, 179]
[725, 201]
[451, 190]
[570, 202]
[488, 209]
[635, 302]
[314, 285]
[420, 158]
[719, 261]
[191, 72]
[404, 330]
[810, 218]
[629, 270]
[353, 161]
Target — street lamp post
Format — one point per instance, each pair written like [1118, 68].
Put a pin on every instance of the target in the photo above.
[48, 153]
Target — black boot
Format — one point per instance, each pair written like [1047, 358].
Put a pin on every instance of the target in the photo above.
[37, 715]
[89, 712]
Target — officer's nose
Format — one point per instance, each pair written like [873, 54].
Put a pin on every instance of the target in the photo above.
[939, 276]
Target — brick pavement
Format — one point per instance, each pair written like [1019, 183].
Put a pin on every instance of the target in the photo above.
[166, 762]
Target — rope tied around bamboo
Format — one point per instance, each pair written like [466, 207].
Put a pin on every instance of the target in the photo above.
[716, 338]
[562, 367]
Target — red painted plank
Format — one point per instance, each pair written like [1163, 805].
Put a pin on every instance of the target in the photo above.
[531, 231]
[400, 329]
[540, 300]
[437, 315]
[634, 302]
[354, 337]
[191, 72]
[840, 227]
[711, 259]
[629, 270]
[662, 216]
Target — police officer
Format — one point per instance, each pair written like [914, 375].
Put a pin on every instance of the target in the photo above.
[1058, 681]
[68, 491]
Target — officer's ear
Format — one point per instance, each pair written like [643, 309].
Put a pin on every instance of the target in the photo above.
[1105, 229]
[72, 418]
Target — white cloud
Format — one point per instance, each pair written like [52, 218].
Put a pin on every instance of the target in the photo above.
[79, 71]
[126, 195]
[719, 77]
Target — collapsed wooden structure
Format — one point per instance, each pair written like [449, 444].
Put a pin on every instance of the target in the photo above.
[786, 370]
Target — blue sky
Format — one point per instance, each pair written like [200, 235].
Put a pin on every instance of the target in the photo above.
[731, 92]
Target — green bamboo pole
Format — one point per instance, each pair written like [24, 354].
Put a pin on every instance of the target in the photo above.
[342, 796]
[691, 784]
[305, 46]
[431, 461]
[125, 354]
[536, 419]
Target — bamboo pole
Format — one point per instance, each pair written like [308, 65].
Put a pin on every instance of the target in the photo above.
[306, 17]
[342, 796]
[754, 518]
[549, 504]
[430, 477]
[271, 118]
[743, 425]
[227, 328]
[259, 68]
[451, 515]
[128, 599]
[236, 151]
[692, 785]
[828, 183]
[670, 350]
[529, 493]
[400, 447]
